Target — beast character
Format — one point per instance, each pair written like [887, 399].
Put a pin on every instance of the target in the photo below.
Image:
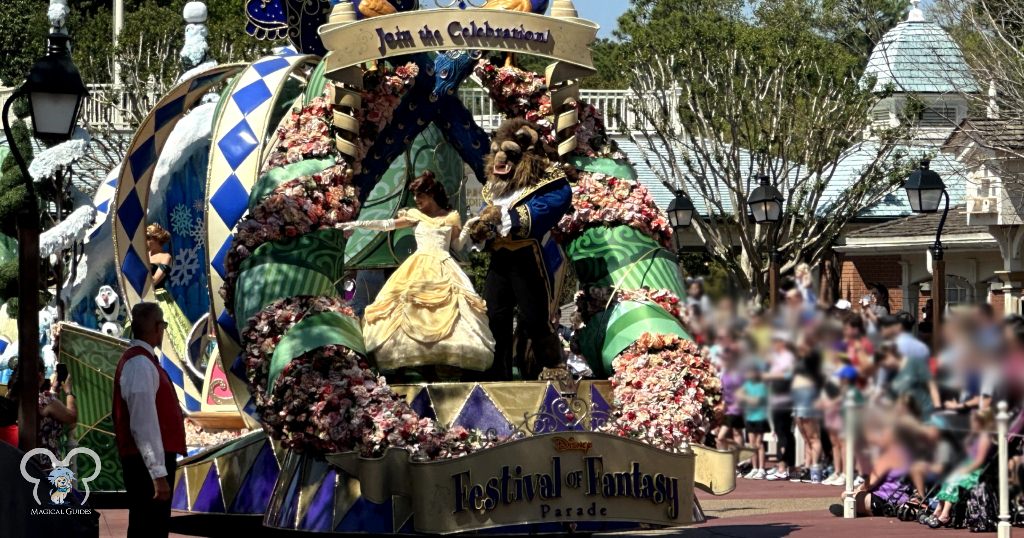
[526, 195]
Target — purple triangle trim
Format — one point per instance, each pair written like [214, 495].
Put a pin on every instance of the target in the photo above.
[320, 514]
[600, 411]
[480, 413]
[551, 418]
[423, 405]
[180, 499]
[254, 494]
[209, 499]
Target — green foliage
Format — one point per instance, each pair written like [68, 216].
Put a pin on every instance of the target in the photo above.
[8, 279]
[23, 38]
[859, 24]
[477, 270]
[13, 194]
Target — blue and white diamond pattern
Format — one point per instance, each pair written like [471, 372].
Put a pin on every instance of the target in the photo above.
[133, 184]
[235, 158]
[130, 198]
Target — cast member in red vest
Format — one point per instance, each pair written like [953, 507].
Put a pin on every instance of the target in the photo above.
[148, 425]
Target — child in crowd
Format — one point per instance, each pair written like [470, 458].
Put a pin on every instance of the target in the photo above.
[753, 397]
[884, 486]
[967, 475]
[730, 434]
[843, 380]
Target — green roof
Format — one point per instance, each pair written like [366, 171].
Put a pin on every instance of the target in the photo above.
[918, 56]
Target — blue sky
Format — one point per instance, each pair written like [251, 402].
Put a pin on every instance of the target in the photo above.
[603, 12]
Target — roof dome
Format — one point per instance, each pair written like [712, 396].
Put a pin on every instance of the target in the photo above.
[918, 56]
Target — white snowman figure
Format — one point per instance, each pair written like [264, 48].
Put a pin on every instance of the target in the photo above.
[47, 319]
[108, 310]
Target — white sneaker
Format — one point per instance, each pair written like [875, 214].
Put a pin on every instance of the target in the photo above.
[759, 475]
[835, 480]
[771, 472]
[751, 474]
[857, 482]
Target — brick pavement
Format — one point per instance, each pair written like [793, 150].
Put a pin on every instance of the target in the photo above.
[756, 509]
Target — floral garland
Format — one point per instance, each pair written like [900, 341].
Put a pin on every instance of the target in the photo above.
[297, 207]
[519, 93]
[600, 200]
[195, 435]
[329, 400]
[663, 298]
[304, 134]
[665, 393]
[382, 94]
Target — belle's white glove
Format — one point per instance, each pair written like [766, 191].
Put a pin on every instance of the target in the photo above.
[460, 242]
[376, 225]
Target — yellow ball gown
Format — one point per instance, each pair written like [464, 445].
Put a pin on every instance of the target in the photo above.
[427, 313]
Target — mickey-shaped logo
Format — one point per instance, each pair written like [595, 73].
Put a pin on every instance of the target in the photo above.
[61, 478]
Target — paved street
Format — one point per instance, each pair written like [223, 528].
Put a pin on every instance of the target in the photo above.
[756, 509]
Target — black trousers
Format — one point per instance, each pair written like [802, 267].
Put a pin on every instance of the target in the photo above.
[786, 446]
[514, 280]
[147, 517]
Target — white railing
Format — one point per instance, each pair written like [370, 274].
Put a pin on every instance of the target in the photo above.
[106, 108]
[613, 104]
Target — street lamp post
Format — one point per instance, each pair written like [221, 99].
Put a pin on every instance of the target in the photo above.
[680, 215]
[926, 190]
[55, 93]
[765, 203]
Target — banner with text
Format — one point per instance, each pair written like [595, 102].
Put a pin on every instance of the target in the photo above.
[566, 40]
[568, 477]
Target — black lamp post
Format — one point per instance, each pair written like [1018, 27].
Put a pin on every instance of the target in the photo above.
[680, 215]
[765, 203]
[926, 190]
[55, 93]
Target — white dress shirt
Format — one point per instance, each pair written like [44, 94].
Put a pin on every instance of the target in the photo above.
[139, 383]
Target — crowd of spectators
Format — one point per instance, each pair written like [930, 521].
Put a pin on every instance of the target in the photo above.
[924, 432]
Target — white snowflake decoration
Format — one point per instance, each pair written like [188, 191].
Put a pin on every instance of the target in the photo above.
[198, 232]
[186, 265]
[181, 220]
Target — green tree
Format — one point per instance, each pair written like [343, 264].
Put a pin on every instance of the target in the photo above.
[733, 98]
[23, 38]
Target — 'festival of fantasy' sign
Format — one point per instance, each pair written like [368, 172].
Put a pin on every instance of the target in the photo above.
[568, 477]
[352, 43]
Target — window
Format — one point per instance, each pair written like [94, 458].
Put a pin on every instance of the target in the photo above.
[958, 291]
[940, 116]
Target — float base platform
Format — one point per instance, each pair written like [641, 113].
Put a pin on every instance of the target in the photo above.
[341, 493]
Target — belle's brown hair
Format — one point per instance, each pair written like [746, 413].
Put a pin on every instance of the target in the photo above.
[158, 233]
[426, 184]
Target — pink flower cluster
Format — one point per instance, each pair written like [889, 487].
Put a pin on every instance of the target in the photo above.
[329, 400]
[600, 200]
[381, 96]
[663, 298]
[304, 134]
[195, 435]
[591, 135]
[517, 93]
[297, 207]
[665, 392]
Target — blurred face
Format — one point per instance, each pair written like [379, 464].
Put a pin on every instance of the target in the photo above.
[694, 290]
[892, 331]
[850, 332]
[425, 202]
[153, 245]
[151, 330]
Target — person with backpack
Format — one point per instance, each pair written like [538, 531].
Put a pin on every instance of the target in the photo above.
[967, 474]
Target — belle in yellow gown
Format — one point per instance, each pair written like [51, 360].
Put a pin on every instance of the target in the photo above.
[427, 314]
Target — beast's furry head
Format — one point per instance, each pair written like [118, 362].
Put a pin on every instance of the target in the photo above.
[518, 158]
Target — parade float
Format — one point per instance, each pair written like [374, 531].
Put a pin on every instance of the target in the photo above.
[254, 168]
